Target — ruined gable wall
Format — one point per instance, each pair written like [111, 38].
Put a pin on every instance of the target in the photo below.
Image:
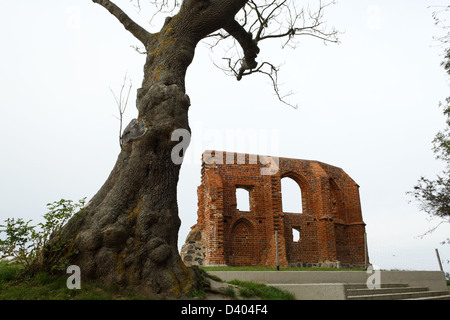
[330, 224]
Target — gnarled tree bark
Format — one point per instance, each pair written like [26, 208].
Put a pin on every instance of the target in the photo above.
[127, 234]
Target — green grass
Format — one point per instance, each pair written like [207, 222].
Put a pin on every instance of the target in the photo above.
[273, 269]
[230, 292]
[197, 294]
[258, 290]
[15, 286]
[9, 272]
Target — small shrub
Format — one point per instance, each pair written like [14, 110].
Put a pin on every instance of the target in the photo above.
[26, 243]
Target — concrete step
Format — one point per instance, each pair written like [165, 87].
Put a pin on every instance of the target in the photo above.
[386, 290]
[383, 285]
[438, 297]
[336, 285]
[423, 295]
[393, 291]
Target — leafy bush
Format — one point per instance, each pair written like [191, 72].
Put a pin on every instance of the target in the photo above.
[27, 243]
[17, 243]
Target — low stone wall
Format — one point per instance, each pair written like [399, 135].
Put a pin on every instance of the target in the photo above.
[193, 251]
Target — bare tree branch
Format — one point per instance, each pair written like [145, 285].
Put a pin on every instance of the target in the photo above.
[136, 30]
[249, 46]
[254, 21]
[122, 102]
[139, 49]
[262, 20]
[264, 68]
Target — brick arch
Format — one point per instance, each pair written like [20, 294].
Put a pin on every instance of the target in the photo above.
[304, 187]
[324, 238]
[243, 249]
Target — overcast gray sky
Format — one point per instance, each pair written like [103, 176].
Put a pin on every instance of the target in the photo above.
[368, 105]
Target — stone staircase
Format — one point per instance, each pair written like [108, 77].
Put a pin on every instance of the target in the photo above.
[349, 285]
[393, 292]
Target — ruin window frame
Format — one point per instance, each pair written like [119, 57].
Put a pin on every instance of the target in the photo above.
[296, 229]
[301, 195]
[249, 190]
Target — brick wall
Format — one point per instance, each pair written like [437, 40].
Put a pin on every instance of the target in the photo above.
[330, 224]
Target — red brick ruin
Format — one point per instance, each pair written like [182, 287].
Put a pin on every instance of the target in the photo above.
[332, 232]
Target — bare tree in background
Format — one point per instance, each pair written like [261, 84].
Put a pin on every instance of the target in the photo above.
[122, 103]
[127, 234]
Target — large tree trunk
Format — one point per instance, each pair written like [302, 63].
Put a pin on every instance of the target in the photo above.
[127, 234]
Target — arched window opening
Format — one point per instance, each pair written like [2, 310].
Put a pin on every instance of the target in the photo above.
[242, 199]
[291, 196]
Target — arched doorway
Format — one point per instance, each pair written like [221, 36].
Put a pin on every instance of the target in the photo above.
[244, 250]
